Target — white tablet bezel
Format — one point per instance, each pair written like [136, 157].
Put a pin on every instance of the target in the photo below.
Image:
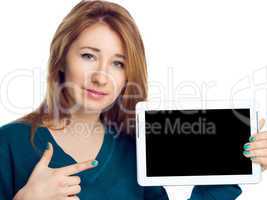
[143, 106]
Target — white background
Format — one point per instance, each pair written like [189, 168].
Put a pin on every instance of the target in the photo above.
[206, 49]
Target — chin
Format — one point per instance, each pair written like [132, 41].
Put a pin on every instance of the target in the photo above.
[93, 107]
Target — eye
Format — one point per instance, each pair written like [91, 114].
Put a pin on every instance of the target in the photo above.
[88, 56]
[119, 64]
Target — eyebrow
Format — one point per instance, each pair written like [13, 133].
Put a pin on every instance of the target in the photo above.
[98, 50]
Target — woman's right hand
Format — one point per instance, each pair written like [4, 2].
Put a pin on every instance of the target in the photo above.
[53, 183]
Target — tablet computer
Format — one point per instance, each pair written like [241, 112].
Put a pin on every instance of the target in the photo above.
[195, 142]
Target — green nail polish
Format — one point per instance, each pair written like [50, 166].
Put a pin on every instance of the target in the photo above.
[246, 152]
[252, 139]
[253, 157]
[246, 146]
[94, 163]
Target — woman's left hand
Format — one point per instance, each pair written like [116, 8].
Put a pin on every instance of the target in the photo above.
[256, 148]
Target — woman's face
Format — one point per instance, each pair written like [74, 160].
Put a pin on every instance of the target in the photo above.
[96, 61]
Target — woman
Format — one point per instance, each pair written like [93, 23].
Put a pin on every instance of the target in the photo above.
[79, 143]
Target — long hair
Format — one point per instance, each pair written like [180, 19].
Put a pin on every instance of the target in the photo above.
[122, 111]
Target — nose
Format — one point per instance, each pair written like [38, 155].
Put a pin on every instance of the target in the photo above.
[99, 77]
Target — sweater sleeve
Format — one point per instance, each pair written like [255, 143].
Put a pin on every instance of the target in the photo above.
[6, 176]
[155, 193]
[215, 192]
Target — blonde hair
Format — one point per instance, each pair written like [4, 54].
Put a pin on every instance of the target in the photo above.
[82, 16]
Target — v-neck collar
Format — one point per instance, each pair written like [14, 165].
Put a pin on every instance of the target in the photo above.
[61, 158]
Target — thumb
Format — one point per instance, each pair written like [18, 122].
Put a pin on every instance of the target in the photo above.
[47, 156]
[261, 123]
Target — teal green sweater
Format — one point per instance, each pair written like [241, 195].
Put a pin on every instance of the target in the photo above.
[113, 179]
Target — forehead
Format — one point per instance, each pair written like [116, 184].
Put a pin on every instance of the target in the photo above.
[101, 36]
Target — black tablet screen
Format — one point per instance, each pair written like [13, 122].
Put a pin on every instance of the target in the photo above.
[197, 142]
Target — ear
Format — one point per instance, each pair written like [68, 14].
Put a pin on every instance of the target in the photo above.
[124, 88]
[62, 69]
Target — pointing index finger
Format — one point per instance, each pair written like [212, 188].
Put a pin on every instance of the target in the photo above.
[78, 167]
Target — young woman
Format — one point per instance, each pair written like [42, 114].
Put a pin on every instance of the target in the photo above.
[79, 143]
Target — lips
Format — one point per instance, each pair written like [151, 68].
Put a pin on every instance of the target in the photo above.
[96, 92]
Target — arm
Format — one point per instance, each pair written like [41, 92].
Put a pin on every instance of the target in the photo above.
[215, 192]
[6, 176]
[155, 193]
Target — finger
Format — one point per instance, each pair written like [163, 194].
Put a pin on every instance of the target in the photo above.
[76, 168]
[258, 136]
[261, 123]
[47, 156]
[67, 181]
[255, 153]
[258, 144]
[72, 190]
[73, 180]
[260, 160]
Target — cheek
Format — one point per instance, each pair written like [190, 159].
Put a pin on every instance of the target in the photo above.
[75, 79]
[76, 75]
[118, 81]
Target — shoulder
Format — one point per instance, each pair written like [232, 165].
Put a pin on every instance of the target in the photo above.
[124, 139]
[125, 144]
[14, 131]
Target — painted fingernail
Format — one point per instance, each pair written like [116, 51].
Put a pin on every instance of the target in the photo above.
[252, 138]
[246, 146]
[94, 163]
[246, 152]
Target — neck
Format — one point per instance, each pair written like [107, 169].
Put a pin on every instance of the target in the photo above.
[85, 122]
[85, 118]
